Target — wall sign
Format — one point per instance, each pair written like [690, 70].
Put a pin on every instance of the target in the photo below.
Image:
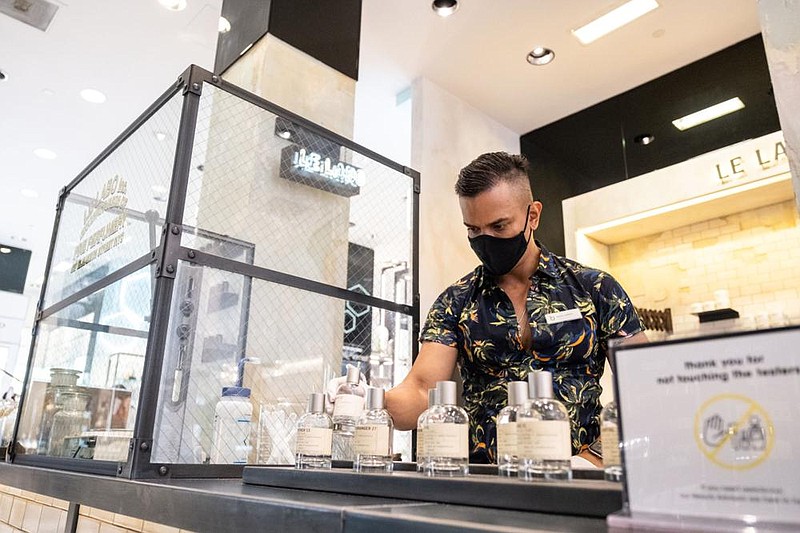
[326, 173]
[710, 426]
[113, 197]
[762, 158]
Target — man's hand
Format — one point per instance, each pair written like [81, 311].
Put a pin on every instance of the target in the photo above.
[333, 386]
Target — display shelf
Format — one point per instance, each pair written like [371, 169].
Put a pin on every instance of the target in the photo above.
[717, 314]
[579, 497]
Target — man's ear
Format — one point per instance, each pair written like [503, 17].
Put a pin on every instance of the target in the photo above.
[533, 217]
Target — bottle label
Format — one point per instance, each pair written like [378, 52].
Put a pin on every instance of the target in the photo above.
[544, 440]
[314, 441]
[348, 405]
[507, 439]
[610, 441]
[372, 440]
[420, 443]
[447, 440]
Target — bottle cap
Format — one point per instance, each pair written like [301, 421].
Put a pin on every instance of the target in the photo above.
[540, 384]
[517, 392]
[353, 375]
[447, 392]
[242, 392]
[316, 402]
[374, 399]
[432, 398]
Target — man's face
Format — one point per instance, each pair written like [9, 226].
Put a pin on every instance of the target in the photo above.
[499, 212]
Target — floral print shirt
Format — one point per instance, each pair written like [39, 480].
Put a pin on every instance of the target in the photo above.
[477, 317]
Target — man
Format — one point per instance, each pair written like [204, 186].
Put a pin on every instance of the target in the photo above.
[522, 309]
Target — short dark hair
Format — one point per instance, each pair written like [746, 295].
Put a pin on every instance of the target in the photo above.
[488, 170]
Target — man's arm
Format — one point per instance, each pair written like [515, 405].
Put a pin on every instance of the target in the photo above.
[435, 362]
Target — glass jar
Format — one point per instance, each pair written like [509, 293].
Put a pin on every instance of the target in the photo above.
[61, 380]
[70, 421]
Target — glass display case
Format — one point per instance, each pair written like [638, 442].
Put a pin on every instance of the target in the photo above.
[222, 259]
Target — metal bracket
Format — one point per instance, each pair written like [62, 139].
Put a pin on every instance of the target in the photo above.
[415, 176]
[167, 253]
[138, 464]
[193, 78]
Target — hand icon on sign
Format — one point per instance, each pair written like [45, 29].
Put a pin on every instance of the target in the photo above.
[714, 430]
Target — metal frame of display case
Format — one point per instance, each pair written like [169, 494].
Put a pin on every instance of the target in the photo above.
[165, 258]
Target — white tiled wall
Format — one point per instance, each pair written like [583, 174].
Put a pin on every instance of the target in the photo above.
[754, 255]
[23, 511]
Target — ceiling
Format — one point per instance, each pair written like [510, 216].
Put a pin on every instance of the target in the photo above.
[132, 51]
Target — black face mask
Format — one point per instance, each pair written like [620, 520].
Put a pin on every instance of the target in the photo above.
[499, 256]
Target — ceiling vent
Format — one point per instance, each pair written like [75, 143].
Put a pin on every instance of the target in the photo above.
[36, 13]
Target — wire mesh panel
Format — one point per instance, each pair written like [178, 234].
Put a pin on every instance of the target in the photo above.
[300, 198]
[115, 213]
[85, 374]
[279, 342]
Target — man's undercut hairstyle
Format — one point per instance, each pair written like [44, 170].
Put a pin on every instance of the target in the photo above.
[490, 169]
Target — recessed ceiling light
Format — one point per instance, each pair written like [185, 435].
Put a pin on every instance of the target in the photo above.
[444, 8]
[285, 134]
[29, 193]
[159, 193]
[44, 153]
[614, 19]
[160, 135]
[644, 138]
[4, 250]
[93, 96]
[48, 92]
[709, 113]
[173, 5]
[224, 25]
[540, 56]
[3, 75]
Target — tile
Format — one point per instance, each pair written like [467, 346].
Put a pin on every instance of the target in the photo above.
[102, 515]
[109, 528]
[129, 522]
[152, 527]
[51, 519]
[44, 500]
[5, 528]
[84, 510]
[33, 512]
[6, 502]
[28, 495]
[87, 525]
[61, 504]
[17, 512]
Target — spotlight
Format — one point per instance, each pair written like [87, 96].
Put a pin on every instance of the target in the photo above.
[444, 8]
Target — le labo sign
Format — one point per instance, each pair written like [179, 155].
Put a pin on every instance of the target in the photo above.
[322, 172]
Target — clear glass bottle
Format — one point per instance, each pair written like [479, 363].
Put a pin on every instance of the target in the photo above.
[71, 420]
[609, 436]
[372, 443]
[314, 436]
[422, 456]
[543, 434]
[61, 380]
[507, 454]
[347, 407]
[447, 435]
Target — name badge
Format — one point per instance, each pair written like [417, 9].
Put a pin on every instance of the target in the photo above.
[563, 316]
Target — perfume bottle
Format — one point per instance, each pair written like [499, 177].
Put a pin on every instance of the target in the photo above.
[373, 435]
[447, 435]
[543, 434]
[609, 436]
[422, 455]
[347, 407]
[314, 434]
[507, 454]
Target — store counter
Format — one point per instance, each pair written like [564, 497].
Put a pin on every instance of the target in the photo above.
[220, 505]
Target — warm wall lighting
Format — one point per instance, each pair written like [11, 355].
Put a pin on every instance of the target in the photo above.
[614, 19]
[4, 250]
[709, 113]
[224, 25]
